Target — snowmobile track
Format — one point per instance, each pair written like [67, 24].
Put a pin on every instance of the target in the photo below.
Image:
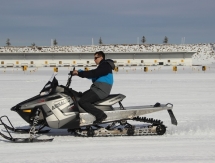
[156, 128]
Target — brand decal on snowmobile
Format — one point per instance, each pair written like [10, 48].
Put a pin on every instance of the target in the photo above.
[58, 104]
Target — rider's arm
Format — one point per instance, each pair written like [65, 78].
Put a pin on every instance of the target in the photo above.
[101, 70]
[75, 72]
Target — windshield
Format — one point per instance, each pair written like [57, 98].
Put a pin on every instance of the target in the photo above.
[50, 86]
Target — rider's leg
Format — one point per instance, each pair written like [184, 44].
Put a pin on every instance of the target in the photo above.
[86, 101]
[75, 93]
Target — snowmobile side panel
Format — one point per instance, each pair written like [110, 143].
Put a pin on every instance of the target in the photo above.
[46, 110]
[67, 119]
[72, 124]
[59, 119]
[63, 110]
[52, 121]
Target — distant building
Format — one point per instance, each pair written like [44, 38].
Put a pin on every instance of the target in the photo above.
[123, 55]
[86, 59]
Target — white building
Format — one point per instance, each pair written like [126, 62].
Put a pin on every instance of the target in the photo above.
[87, 59]
[123, 55]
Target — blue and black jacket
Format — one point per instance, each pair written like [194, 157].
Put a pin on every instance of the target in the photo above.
[102, 78]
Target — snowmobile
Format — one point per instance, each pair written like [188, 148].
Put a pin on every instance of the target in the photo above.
[56, 106]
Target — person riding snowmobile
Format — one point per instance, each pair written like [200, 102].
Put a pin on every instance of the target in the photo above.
[102, 78]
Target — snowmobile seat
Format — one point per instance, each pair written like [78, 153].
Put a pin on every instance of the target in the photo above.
[104, 104]
[108, 98]
[111, 99]
[77, 96]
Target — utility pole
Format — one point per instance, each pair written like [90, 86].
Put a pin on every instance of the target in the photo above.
[183, 40]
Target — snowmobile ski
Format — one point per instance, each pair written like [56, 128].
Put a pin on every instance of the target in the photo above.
[31, 139]
[20, 130]
[24, 140]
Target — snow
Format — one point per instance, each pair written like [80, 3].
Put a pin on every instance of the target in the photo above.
[190, 90]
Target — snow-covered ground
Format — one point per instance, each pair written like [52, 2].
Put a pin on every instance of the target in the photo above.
[191, 90]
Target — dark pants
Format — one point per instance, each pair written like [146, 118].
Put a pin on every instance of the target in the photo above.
[86, 100]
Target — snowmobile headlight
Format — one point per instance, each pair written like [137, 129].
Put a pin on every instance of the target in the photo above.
[27, 111]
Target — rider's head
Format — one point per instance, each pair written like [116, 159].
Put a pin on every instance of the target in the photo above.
[98, 56]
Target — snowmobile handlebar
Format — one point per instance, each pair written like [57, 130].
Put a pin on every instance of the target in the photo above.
[70, 78]
[71, 72]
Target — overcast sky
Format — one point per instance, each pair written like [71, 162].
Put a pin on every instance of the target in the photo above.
[76, 22]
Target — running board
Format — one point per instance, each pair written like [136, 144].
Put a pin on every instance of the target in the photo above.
[127, 114]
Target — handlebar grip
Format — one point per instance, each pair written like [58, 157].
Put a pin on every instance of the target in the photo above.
[70, 73]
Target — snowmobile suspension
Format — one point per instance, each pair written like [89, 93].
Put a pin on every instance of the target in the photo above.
[33, 129]
[155, 127]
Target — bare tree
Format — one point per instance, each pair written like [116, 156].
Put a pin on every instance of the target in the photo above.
[33, 44]
[100, 41]
[143, 39]
[8, 42]
[165, 41]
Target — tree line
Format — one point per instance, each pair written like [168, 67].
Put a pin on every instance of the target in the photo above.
[143, 40]
[55, 43]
